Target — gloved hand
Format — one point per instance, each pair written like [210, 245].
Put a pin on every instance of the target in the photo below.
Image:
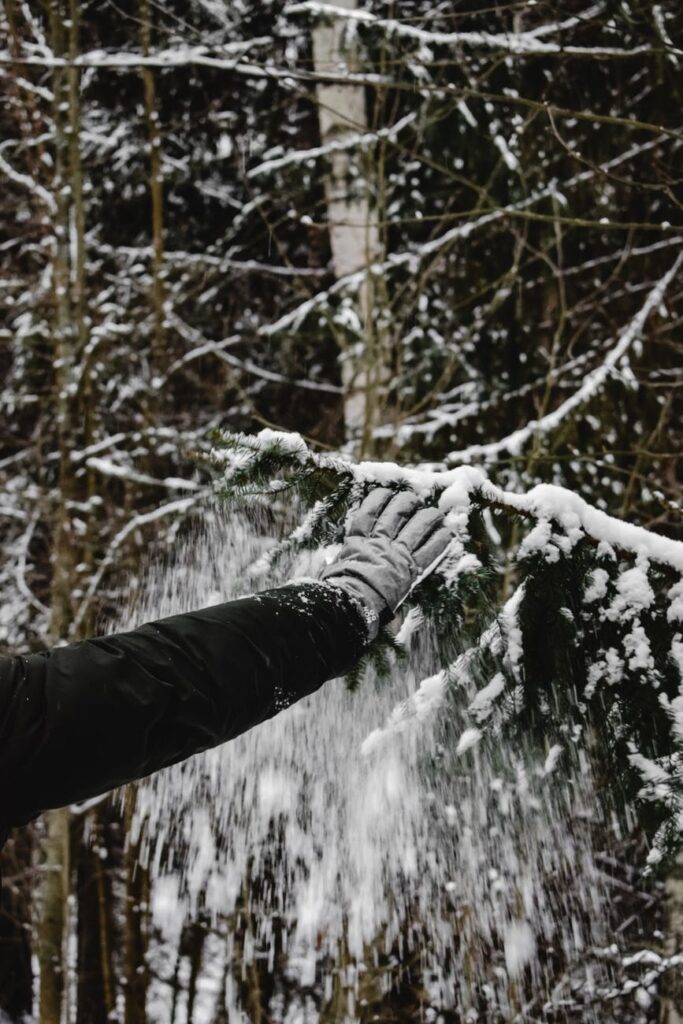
[391, 540]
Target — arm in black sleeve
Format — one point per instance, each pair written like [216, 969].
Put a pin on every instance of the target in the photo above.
[82, 719]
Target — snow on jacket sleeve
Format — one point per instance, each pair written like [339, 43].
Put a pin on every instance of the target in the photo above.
[79, 720]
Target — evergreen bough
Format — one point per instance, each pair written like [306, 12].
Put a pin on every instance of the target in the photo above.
[577, 626]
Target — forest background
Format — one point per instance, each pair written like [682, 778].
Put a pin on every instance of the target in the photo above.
[432, 232]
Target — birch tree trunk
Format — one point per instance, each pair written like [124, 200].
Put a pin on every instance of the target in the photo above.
[156, 192]
[353, 224]
[671, 993]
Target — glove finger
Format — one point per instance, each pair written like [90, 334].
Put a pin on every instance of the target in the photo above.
[380, 556]
[432, 548]
[420, 527]
[363, 519]
[398, 512]
[384, 565]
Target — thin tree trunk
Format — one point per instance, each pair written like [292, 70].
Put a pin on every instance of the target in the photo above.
[197, 940]
[51, 936]
[16, 972]
[79, 303]
[54, 917]
[74, 424]
[95, 988]
[77, 220]
[106, 932]
[156, 193]
[671, 989]
[353, 225]
[65, 553]
[95, 1000]
[136, 973]
[17, 905]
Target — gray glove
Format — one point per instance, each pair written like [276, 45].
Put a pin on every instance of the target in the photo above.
[392, 538]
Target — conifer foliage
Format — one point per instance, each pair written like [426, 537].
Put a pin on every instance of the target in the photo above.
[590, 636]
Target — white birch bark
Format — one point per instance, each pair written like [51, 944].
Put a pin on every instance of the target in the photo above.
[353, 227]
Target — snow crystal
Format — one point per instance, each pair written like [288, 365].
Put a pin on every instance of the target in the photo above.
[634, 594]
[457, 494]
[289, 441]
[491, 528]
[537, 539]
[605, 550]
[675, 597]
[519, 946]
[468, 739]
[552, 759]
[482, 704]
[597, 588]
[650, 771]
[677, 654]
[510, 627]
[410, 626]
[511, 161]
[427, 698]
[637, 648]
[676, 711]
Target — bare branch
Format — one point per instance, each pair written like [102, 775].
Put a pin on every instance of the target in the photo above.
[591, 385]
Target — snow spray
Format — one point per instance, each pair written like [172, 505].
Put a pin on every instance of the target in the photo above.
[342, 871]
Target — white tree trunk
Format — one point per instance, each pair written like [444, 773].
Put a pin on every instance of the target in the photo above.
[353, 226]
[671, 996]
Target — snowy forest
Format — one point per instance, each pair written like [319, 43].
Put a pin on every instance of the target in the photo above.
[255, 256]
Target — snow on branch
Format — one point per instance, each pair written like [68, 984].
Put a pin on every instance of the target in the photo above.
[188, 56]
[21, 567]
[459, 490]
[29, 183]
[519, 44]
[176, 57]
[428, 697]
[412, 258]
[107, 467]
[13, 513]
[359, 140]
[204, 346]
[172, 508]
[590, 636]
[223, 263]
[590, 387]
[448, 413]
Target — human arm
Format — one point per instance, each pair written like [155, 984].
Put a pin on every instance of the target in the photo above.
[87, 717]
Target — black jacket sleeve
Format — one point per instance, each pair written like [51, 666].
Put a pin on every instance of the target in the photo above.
[79, 720]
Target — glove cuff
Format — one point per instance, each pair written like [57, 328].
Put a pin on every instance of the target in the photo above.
[371, 608]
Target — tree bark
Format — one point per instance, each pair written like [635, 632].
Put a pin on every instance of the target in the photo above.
[156, 193]
[54, 918]
[16, 971]
[74, 423]
[136, 973]
[95, 989]
[353, 226]
[51, 935]
[671, 990]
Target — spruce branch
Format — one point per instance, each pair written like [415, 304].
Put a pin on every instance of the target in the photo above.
[591, 638]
